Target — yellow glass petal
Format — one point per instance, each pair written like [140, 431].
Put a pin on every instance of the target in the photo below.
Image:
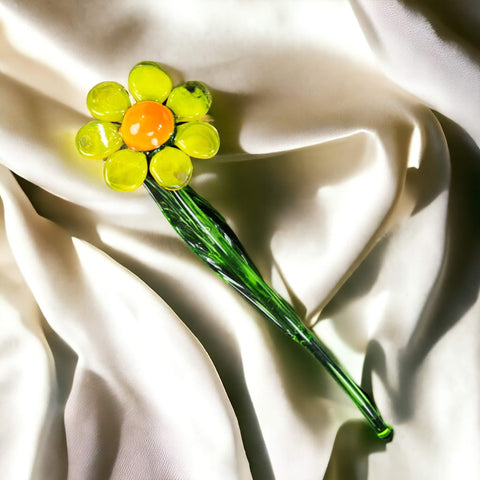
[98, 139]
[190, 101]
[171, 168]
[108, 101]
[125, 170]
[198, 139]
[147, 81]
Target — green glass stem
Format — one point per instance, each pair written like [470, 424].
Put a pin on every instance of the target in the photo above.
[209, 236]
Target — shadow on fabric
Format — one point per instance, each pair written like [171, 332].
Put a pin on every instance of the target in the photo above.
[222, 350]
[458, 284]
[451, 20]
[53, 432]
[354, 442]
[456, 22]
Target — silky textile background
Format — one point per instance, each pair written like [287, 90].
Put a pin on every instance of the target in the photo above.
[350, 170]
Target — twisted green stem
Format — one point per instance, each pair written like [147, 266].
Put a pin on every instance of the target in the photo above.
[209, 236]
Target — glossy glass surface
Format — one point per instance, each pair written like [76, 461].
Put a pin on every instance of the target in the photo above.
[198, 139]
[208, 235]
[98, 139]
[147, 125]
[171, 168]
[125, 170]
[147, 81]
[108, 101]
[190, 101]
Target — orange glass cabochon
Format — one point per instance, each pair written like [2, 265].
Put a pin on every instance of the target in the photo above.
[147, 125]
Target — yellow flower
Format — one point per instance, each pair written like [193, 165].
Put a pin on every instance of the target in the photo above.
[159, 132]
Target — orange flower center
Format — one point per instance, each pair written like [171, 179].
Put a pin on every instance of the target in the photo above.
[147, 125]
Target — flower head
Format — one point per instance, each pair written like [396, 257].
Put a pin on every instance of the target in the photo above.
[159, 132]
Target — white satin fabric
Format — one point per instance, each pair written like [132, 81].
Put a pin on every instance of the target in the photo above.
[123, 357]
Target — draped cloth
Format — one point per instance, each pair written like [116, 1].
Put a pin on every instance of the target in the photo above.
[350, 170]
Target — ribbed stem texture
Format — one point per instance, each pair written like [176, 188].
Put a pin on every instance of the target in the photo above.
[207, 233]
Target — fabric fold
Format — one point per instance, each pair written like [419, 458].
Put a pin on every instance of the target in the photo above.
[132, 345]
[123, 356]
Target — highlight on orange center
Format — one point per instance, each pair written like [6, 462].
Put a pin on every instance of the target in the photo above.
[147, 125]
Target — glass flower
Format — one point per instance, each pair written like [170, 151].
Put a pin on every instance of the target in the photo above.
[158, 132]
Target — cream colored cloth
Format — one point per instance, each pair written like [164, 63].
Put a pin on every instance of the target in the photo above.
[123, 357]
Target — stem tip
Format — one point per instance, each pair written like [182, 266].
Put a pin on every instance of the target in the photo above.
[387, 434]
